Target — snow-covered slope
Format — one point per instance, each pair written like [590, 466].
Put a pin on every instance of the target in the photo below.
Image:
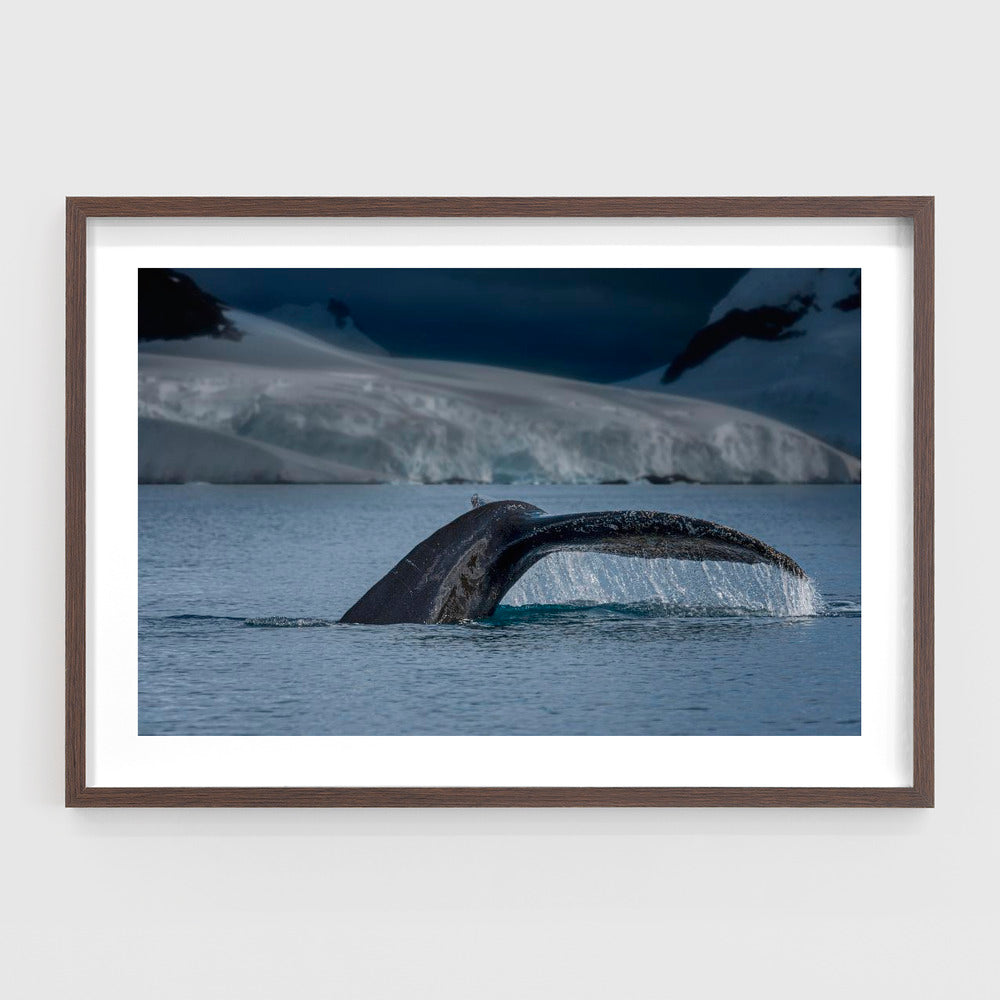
[808, 377]
[298, 410]
[263, 341]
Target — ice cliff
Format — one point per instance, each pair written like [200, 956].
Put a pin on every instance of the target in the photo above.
[280, 405]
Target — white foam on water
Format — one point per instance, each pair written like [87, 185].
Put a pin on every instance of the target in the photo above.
[278, 621]
[596, 578]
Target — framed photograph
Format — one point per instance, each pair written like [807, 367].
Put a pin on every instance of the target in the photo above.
[499, 501]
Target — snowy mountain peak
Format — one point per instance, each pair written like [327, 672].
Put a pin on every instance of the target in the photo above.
[173, 307]
[330, 321]
[783, 343]
[773, 286]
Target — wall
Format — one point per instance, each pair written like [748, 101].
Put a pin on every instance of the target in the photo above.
[436, 98]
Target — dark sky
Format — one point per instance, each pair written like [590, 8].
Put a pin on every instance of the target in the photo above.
[597, 324]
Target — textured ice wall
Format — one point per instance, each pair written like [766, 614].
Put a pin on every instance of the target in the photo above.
[330, 415]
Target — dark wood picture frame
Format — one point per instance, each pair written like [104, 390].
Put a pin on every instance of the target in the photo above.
[918, 209]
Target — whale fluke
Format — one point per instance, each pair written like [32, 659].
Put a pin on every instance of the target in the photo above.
[463, 570]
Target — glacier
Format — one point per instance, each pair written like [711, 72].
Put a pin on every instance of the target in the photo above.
[280, 405]
[811, 381]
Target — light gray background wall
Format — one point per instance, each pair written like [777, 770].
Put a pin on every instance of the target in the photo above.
[513, 98]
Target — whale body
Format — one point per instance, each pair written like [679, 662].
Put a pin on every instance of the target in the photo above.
[463, 570]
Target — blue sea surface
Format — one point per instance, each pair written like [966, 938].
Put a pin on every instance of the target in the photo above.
[240, 589]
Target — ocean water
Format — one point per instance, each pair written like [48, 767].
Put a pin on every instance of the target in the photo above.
[240, 589]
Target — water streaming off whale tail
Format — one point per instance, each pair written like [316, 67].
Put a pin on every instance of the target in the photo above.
[588, 578]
